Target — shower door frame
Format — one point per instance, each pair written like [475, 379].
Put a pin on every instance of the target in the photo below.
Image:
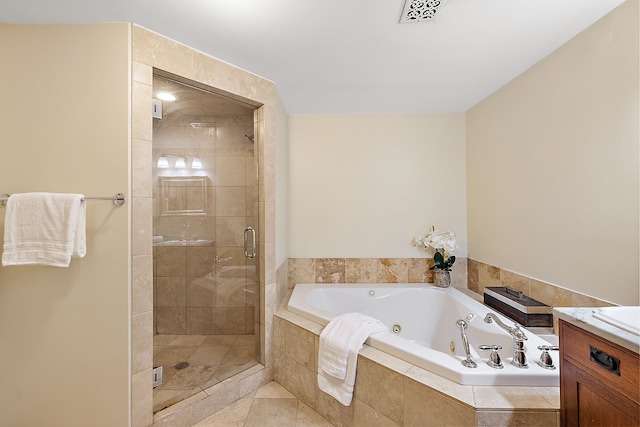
[152, 53]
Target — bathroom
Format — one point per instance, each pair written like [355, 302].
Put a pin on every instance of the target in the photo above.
[85, 315]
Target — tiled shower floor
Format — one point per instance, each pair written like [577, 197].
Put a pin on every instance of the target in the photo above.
[210, 358]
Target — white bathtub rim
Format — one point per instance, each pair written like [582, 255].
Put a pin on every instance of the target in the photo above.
[436, 362]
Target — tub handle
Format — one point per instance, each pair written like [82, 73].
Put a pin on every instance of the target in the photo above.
[247, 231]
[494, 358]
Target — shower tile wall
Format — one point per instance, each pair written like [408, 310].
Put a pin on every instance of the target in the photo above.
[203, 284]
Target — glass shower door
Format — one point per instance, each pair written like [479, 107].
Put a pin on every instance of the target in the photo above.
[205, 198]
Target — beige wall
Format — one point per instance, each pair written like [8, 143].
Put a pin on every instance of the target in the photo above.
[282, 184]
[552, 166]
[362, 186]
[64, 128]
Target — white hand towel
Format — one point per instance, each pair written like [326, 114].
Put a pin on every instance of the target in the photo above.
[44, 229]
[340, 342]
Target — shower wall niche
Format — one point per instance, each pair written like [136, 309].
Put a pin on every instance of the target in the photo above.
[205, 196]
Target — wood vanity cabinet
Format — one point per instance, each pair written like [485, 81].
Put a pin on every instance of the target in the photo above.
[599, 380]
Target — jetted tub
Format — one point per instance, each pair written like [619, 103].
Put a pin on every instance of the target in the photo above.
[422, 329]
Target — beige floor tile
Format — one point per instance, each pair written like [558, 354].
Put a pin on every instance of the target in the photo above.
[171, 355]
[210, 355]
[163, 339]
[233, 415]
[273, 390]
[239, 355]
[307, 417]
[188, 340]
[220, 340]
[190, 378]
[273, 413]
[245, 340]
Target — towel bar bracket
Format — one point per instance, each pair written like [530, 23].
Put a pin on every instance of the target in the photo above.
[118, 199]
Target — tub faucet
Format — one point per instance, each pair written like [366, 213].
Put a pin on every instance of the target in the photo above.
[468, 362]
[519, 358]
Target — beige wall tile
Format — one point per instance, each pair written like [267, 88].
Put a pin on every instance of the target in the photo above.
[393, 270]
[229, 231]
[201, 292]
[230, 171]
[160, 52]
[515, 281]
[142, 342]
[301, 382]
[301, 270]
[524, 418]
[365, 416]
[330, 270]
[419, 270]
[142, 226]
[361, 270]
[217, 74]
[473, 275]
[142, 284]
[488, 275]
[141, 73]
[230, 321]
[299, 345]
[201, 261]
[171, 320]
[141, 120]
[141, 399]
[427, 407]
[171, 261]
[381, 389]
[230, 201]
[510, 397]
[334, 411]
[141, 168]
[171, 292]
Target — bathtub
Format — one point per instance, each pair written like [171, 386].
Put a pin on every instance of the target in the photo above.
[422, 329]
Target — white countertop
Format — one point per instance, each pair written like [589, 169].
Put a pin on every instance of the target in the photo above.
[582, 317]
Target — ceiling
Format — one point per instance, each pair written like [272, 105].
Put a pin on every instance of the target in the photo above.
[351, 56]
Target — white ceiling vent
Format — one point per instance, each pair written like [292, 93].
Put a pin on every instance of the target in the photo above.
[421, 10]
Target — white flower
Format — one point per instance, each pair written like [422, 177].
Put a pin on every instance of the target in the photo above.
[435, 241]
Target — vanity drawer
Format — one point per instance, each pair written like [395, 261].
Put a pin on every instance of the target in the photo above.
[610, 363]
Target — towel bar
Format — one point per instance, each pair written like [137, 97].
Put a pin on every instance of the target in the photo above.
[118, 199]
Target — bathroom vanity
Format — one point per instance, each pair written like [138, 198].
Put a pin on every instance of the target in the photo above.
[599, 366]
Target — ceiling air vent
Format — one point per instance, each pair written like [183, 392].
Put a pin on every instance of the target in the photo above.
[421, 10]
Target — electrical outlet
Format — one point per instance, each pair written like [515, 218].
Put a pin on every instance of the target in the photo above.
[156, 112]
[157, 376]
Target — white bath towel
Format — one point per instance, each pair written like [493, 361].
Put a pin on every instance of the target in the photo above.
[340, 342]
[44, 229]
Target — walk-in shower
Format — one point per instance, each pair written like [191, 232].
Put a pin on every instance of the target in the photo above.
[205, 267]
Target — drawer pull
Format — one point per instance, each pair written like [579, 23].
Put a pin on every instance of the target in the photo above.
[605, 361]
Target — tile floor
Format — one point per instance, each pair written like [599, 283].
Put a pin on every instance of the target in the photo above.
[269, 406]
[210, 358]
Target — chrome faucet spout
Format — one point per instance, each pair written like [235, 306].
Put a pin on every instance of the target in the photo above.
[514, 331]
[519, 337]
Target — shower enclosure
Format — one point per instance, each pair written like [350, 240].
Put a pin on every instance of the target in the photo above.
[205, 216]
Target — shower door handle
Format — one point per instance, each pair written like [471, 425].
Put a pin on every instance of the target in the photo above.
[250, 230]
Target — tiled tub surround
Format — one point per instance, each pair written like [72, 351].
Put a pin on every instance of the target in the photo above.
[481, 275]
[392, 392]
[467, 273]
